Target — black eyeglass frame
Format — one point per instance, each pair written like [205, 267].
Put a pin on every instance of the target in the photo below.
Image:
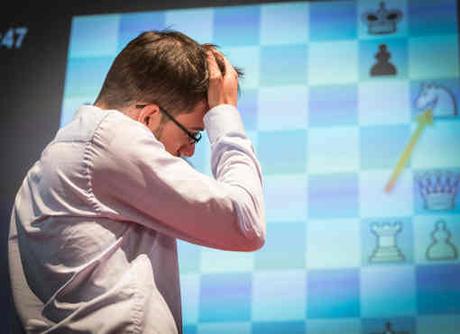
[194, 137]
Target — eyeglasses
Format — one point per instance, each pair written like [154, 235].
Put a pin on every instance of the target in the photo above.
[195, 137]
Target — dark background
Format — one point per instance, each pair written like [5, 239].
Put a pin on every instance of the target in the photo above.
[31, 89]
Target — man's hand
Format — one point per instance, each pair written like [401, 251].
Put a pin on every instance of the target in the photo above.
[223, 87]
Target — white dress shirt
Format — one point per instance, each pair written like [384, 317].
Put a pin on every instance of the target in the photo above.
[92, 245]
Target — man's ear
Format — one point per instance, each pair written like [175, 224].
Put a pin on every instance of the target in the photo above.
[150, 113]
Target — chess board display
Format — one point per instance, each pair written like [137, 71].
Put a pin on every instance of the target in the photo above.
[353, 110]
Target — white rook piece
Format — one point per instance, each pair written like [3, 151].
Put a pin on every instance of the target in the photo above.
[386, 250]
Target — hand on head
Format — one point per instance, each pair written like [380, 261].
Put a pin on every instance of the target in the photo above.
[223, 84]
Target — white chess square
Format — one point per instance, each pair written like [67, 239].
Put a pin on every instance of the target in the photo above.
[333, 150]
[282, 108]
[247, 58]
[286, 197]
[291, 21]
[219, 261]
[196, 23]
[333, 243]
[375, 202]
[384, 103]
[270, 288]
[332, 62]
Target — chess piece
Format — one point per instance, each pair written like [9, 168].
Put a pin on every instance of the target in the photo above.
[438, 189]
[441, 247]
[382, 21]
[389, 328]
[386, 250]
[383, 66]
[440, 100]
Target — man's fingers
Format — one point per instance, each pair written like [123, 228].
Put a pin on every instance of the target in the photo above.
[214, 71]
[229, 69]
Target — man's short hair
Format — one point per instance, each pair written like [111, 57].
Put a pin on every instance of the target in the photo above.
[165, 67]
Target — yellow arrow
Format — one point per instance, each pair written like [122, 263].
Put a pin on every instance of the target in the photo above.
[426, 118]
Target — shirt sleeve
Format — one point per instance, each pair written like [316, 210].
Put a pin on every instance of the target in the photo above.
[133, 178]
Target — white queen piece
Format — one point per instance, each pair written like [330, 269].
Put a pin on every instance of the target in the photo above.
[438, 189]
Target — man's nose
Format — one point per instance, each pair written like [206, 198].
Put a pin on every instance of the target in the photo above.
[187, 150]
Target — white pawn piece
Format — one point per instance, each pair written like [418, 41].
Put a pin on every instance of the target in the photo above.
[441, 247]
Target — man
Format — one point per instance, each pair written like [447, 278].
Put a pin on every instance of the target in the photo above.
[92, 245]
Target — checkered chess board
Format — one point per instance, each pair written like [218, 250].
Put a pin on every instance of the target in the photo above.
[341, 255]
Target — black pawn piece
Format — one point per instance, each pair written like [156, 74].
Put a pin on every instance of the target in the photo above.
[383, 66]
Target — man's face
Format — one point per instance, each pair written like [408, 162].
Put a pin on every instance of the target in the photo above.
[175, 139]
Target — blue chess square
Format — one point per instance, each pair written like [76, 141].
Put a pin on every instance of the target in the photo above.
[333, 150]
[85, 76]
[320, 326]
[378, 150]
[338, 191]
[190, 329]
[283, 151]
[234, 288]
[285, 198]
[196, 23]
[333, 21]
[269, 287]
[445, 324]
[388, 291]
[276, 327]
[376, 232]
[132, 24]
[438, 146]
[333, 243]
[236, 26]
[283, 65]
[331, 105]
[333, 293]
[190, 293]
[276, 253]
[438, 289]
[225, 328]
[432, 17]
[189, 261]
[94, 36]
[439, 60]
[248, 59]
[286, 23]
[248, 108]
